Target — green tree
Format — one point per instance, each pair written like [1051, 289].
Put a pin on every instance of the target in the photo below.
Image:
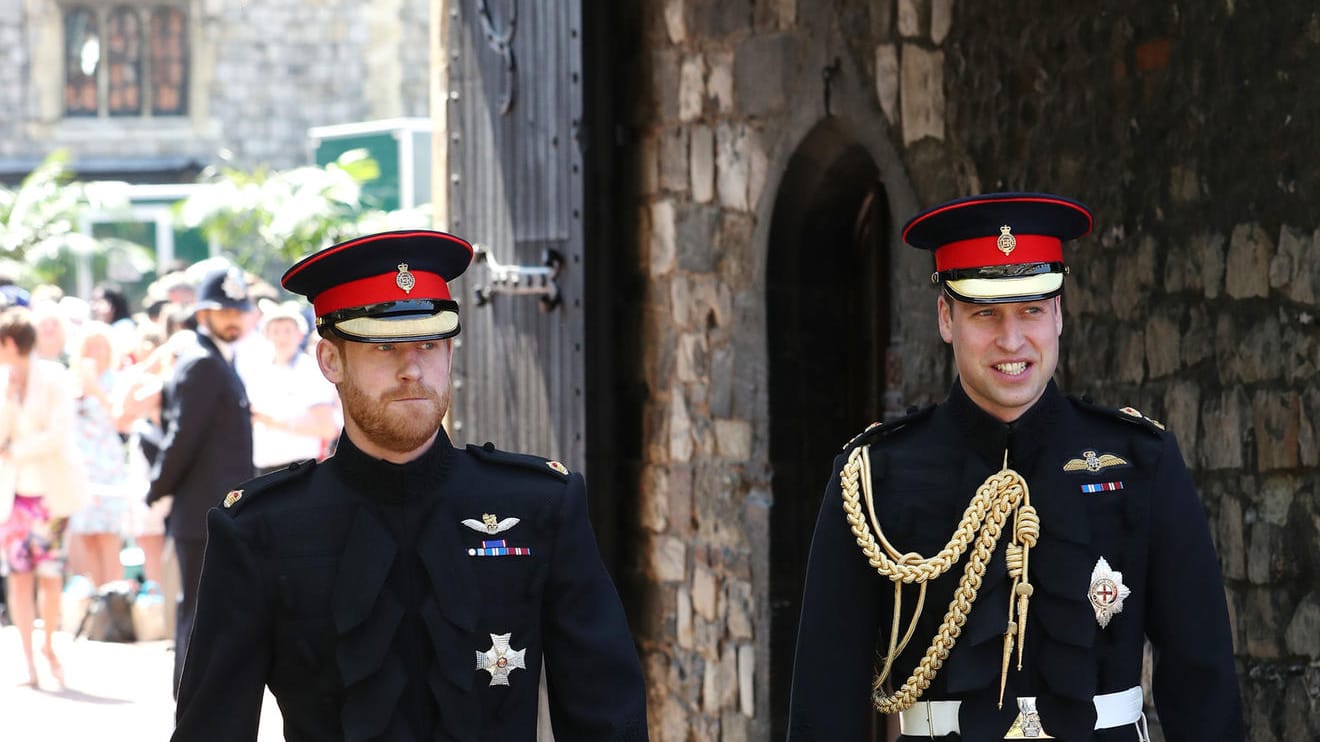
[266, 219]
[39, 223]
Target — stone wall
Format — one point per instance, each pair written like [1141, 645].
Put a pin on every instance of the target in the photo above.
[1190, 131]
[262, 73]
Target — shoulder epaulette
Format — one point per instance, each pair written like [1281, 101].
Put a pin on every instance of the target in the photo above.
[878, 429]
[1126, 414]
[244, 494]
[490, 454]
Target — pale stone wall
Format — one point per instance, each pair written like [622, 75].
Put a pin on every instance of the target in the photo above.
[262, 73]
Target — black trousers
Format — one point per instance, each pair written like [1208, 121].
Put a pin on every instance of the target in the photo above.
[189, 553]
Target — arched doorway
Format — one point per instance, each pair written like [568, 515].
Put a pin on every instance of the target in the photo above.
[828, 323]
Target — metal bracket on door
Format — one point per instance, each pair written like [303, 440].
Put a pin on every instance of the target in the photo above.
[520, 280]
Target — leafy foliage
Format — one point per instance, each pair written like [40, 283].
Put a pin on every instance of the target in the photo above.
[266, 217]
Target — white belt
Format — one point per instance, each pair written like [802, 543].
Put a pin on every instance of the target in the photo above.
[939, 718]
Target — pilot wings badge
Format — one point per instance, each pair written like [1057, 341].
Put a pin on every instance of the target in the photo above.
[1094, 462]
[490, 524]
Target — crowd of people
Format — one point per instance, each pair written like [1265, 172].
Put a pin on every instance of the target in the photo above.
[86, 417]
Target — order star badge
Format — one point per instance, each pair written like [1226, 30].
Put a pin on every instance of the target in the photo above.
[500, 659]
[1107, 592]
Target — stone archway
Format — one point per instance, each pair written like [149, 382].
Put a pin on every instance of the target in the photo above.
[828, 325]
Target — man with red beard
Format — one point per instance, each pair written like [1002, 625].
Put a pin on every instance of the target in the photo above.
[1039, 539]
[207, 444]
[405, 589]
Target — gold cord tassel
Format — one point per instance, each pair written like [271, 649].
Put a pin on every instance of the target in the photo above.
[1003, 493]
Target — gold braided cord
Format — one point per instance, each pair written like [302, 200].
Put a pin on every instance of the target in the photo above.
[1003, 493]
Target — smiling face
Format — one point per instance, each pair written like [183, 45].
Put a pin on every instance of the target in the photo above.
[1006, 353]
[394, 395]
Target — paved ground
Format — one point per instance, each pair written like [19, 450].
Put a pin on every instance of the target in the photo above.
[114, 692]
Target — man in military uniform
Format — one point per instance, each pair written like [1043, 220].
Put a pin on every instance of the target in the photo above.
[990, 567]
[207, 445]
[405, 589]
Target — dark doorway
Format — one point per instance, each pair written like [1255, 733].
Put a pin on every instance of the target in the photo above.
[828, 323]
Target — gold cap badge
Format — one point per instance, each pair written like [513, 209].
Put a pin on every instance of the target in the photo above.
[1007, 242]
[557, 467]
[405, 280]
[233, 497]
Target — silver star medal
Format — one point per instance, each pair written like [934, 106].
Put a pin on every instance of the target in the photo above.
[1107, 592]
[500, 660]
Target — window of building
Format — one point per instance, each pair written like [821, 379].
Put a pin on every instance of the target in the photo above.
[125, 60]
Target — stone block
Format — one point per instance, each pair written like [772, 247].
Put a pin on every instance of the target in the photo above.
[675, 22]
[680, 501]
[887, 80]
[701, 164]
[668, 559]
[1229, 539]
[1308, 437]
[664, 84]
[719, 83]
[673, 160]
[731, 165]
[705, 592]
[740, 606]
[1276, 420]
[662, 240]
[1222, 422]
[680, 428]
[1162, 344]
[1209, 254]
[736, 250]
[1266, 560]
[1286, 261]
[673, 721]
[694, 237]
[1198, 340]
[691, 88]
[941, 20]
[1302, 637]
[758, 166]
[1134, 276]
[1248, 266]
[747, 680]
[734, 439]
[1182, 402]
[680, 301]
[1131, 356]
[921, 99]
[734, 726]
[721, 381]
[1249, 348]
[654, 499]
[693, 364]
[683, 617]
[1266, 610]
[910, 13]
[715, 20]
[762, 66]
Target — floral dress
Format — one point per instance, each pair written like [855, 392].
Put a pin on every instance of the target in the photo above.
[106, 459]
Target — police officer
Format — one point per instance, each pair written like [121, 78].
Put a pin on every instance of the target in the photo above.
[405, 589]
[990, 567]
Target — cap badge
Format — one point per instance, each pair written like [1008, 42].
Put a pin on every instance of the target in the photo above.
[1107, 592]
[501, 659]
[1093, 462]
[557, 467]
[490, 524]
[233, 285]
[1007, 242]
[233, 497]
[405, 279]
[1027, 725]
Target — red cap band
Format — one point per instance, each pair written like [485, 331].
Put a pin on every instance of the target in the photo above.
[980, 252]
[379, 289]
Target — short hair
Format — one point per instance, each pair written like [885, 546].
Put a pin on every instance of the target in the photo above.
[16, 325]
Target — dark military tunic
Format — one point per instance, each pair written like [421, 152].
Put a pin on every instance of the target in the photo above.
[354, 591]
[1145, 520]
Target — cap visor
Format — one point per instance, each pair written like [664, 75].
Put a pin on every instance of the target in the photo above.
[398, 329]
[1000, 290]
